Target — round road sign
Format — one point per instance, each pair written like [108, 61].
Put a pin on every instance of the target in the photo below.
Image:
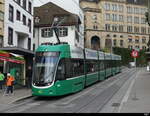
[134, 54]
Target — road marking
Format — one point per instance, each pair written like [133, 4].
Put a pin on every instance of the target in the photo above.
[125, 98]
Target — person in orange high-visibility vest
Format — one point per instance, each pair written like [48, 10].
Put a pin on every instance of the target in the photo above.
[9, 83]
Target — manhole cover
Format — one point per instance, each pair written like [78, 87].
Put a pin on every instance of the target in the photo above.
[115, 104]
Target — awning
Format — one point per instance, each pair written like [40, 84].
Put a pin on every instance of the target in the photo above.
[12, 60]
[17, 50]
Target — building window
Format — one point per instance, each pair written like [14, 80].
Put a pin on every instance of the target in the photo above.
[47, 32]
[130, 47]
[121, 43]
[136, 40]
[143, 40]
[107, 27]
[148, 30]
[95, 27]
[114, 17]
[115, 42]
[108, 35]
[121, 36]
[1, 16]
[33, 47]
[107, 6]
[77, 36]
[107, 17]
[129, 19]
[115, 36]
[136, 29]
[24, 19]
[114, 28]
[143, 21]
[30, 7]
[29, 43]
[19, 2]
[129, 10]
[120, 28]
[11, 13]
[1, 41]
[130, 40]
[143, 30]
[18, 16]
[63, 31]
[144, 47]
[10, 36]
[114, 7]
[129, 29]
[24, 4]
[136, 20]
[136, 10]
[29, 25]
[121, 18]
[121, 8]
[137, 47]
[94, 17]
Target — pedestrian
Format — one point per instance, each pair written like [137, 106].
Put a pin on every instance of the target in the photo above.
[9, 83]
[29, 77]
[2, 77]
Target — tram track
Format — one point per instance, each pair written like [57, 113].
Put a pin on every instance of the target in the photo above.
[99, 101]
[101, 91]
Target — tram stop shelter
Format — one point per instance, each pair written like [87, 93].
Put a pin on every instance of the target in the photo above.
[16, 61]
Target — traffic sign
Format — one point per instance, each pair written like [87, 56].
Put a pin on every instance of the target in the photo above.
[134, 54]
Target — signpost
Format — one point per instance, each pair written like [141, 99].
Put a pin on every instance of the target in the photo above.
[135, 55]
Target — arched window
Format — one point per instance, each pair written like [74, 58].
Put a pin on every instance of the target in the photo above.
[95, 43]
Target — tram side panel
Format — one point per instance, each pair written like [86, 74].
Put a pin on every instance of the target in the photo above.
[92, 74]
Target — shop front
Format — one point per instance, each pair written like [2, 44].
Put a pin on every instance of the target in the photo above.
[13, 64]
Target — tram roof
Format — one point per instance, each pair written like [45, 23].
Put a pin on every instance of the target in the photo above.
[76, 52]
[91, 54]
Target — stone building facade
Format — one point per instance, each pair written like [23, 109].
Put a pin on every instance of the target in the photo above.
[115, 23]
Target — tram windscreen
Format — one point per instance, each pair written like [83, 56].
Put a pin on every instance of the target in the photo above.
[44, 68]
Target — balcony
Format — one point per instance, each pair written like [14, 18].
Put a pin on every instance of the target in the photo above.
[22, 29]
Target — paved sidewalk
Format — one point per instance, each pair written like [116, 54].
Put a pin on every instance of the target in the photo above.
[18, 95]
[139, 94]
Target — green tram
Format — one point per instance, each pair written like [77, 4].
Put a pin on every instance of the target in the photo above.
[62, 69]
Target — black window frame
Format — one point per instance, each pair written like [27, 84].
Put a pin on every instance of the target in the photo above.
[10, 36]
[24, 20]
[24, 4]
[29, 43]
[11, 13]
[30, 7]
[18, 15]
[30, 25]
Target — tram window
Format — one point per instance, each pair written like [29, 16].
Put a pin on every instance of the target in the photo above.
[78, 67]
[102, 65]
[61, 70]
[68, 67]
[92, 66]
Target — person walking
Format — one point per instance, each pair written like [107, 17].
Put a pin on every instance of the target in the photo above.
[9, 83]
[2, 77]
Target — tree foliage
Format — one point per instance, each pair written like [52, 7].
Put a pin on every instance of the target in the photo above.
[126, 56]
